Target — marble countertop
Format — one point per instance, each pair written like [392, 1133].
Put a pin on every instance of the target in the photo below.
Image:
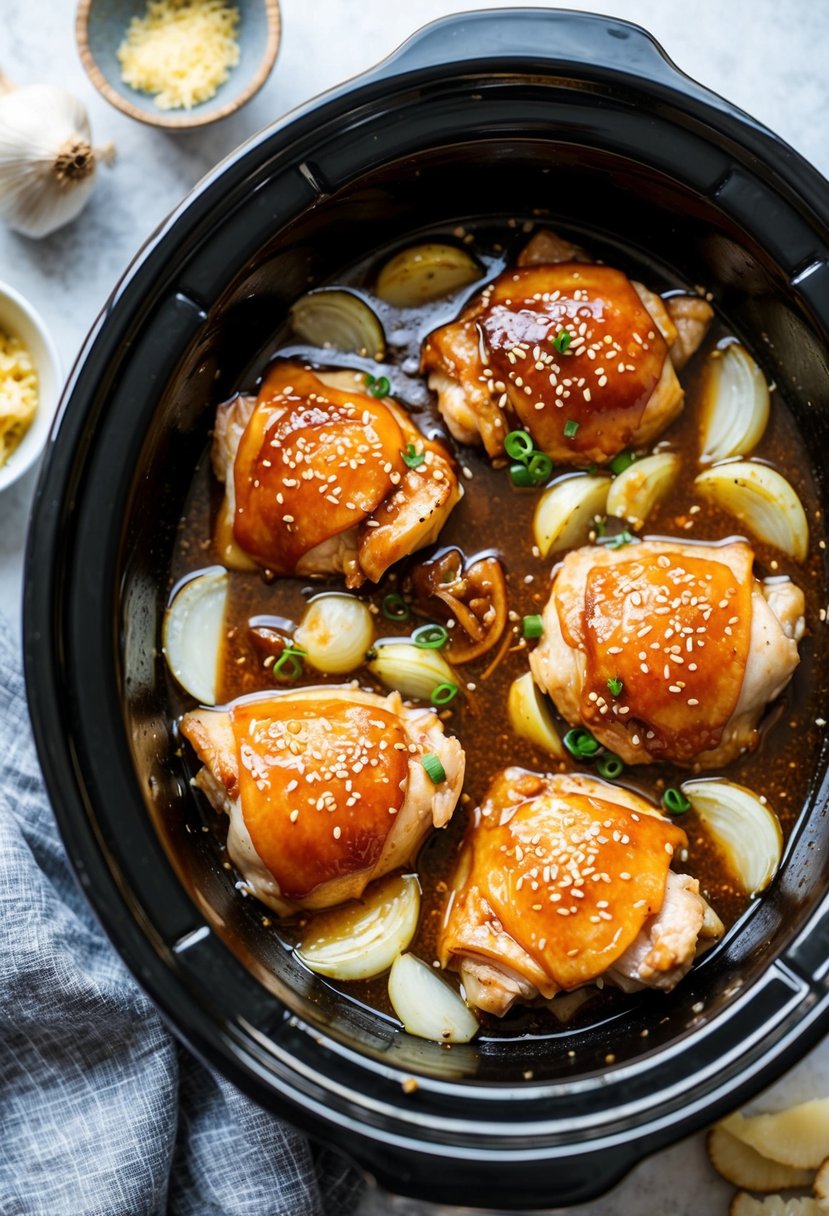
[766, 57]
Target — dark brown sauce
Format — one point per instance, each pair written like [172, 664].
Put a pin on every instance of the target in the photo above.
[494, 516]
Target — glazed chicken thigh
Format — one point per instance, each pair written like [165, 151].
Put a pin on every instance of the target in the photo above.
[668, 651]
[563, 880]
[324, 788]
[323, 478]
[573, 352]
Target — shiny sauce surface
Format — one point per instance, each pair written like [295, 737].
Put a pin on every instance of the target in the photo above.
[495, 517]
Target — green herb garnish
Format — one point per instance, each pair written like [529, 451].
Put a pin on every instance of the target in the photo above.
[395, 608]
[379, 387]
[539, 467]
[571, 428]
[411, 457]
[580, 743]
[444, 693]
[533, 626]
[623, 461]
[289, 664]
[430, 637]
[615, 685]
[609, 766]
[520, 475]
[618, 541]
[562, 340]
[434, 769]
[518, 445]
[675, 802]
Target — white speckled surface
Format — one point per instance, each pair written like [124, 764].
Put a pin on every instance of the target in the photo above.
[768, 58]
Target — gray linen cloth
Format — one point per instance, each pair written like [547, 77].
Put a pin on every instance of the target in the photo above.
[101, 1112]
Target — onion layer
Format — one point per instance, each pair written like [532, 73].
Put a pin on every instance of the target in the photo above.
[341, 320]
[530, 717]
[634, 493]
[762, 500]
[566, 511]
[193, 631]
[362, 939]
[424, 273]
[746, 830]
[735, 404]
[426, 1005]
[411, 670]
[336, 632]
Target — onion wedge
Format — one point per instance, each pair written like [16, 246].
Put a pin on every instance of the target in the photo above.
[341, 320]
[336, 632]
[734, 406]
[634, 493]
[798, 1136]
[530, 716]
[746, 830]
[424, 273]
[362, 939]
[743, 1166]
[193, 631]
[761, 499]
[410, 670]
[566, 511]
[426, 1005]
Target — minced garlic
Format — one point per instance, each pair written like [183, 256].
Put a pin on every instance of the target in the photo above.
[18, 394]
[181, 50]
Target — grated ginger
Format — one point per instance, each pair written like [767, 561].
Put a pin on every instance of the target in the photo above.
[181, 50]
[18, 394]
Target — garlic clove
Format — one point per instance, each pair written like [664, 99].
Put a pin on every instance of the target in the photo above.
[635, 492]
[47, 161]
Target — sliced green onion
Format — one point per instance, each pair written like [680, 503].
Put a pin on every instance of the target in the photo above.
[395, 608]
[411, 457]
[368, 380]
[519, 446]
[562, 340]
[571, 428]
[618, 541]
[580, 743]
[539, 467]
[380, 387]
[434, 769]
[675, 802]
[289, 664]
[623, 461]
[430, 637]
[609, 766]
[444, 692]
[615, 685]
[520, 475]
[533, 626]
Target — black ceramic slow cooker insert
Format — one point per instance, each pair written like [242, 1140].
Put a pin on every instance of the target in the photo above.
[581, 119]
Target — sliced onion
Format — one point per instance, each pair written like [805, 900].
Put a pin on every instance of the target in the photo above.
[409, 669]
[566, 511]
[762, 500]
[335, 633]
[530, 716]
[797, 1136]
[339, 319]
[424, 273]
[735, 404]
[426, 1005]
[193, 632]
[743, 1166]
[746, 830]
[362, 939]
[634, 493]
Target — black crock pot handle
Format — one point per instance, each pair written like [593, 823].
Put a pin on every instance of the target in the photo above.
[548, 38]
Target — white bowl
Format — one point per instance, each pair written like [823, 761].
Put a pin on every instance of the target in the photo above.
[19, 320]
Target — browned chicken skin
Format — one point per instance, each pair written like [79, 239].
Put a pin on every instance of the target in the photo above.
[324, 788]
[696, 645]
[564, 880]
[317, 481]
[573, 352]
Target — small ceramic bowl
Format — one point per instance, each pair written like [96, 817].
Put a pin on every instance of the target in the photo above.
[19, 320]
[101, 26]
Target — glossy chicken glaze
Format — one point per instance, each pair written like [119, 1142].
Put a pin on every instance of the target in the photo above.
[499, 516]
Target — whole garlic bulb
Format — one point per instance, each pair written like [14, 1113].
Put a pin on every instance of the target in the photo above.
[47, 162]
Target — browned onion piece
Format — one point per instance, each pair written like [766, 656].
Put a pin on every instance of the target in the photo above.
[474, 595]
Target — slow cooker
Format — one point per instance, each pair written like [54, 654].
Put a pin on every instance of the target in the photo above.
[578, 118]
